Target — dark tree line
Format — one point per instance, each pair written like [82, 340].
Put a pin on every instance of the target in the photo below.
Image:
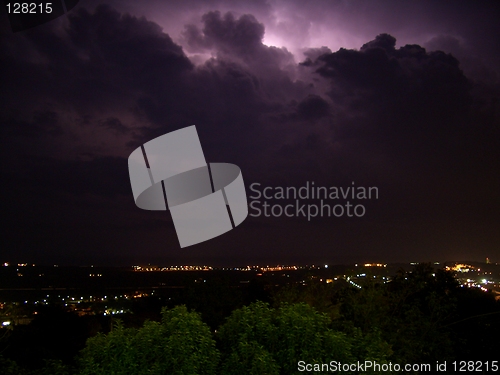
[421, 316]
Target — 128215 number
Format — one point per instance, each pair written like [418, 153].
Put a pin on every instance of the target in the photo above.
[472, 366]
[32, 8]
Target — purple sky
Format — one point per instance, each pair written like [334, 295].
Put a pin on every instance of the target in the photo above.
[403, 96]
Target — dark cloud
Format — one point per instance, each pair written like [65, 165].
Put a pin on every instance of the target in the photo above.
[104, 176]
[405, 90]
[407, 105]
[113, 123]
[226, 32]
[43, 123]
[106, 38]
[384, 41]
[313, 107]
[474, 66]
[240, 40]
[312, 54]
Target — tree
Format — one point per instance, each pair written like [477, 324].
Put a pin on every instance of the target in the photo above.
[9, 367]
[315, 293]
[274, 340]
[408, 313]
[180, 344]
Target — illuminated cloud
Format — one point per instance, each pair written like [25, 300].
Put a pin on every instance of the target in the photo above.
[388, 109]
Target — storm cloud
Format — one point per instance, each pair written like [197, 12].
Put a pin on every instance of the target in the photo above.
[82, 92]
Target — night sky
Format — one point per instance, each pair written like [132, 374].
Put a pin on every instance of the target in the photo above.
[399, 95]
